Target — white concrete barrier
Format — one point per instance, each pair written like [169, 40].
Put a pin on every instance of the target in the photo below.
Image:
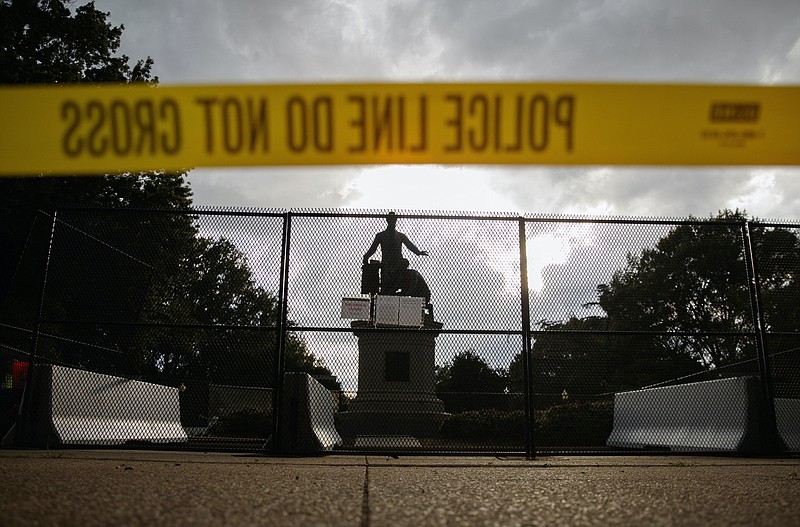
[787, 418]
[307, 416]
[76, 407]
[720, 415]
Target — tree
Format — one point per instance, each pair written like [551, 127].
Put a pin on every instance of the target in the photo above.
[679, 308]
[43, 42]
[216, 288]
[108, 267]
[200, 314]
[777, 255]
[581, 357]
[694, 280]
[469, 383]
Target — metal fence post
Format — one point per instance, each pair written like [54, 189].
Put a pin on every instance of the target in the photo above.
[527, 390]
[24, 416]
[768, 423]
[280, 366]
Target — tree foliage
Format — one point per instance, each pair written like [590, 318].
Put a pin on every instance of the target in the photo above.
[678, 308]
[694, 280]
[146, 266]
[469, 383]
[43, 42]
[468, 372]
[235, 338]
[580, 357]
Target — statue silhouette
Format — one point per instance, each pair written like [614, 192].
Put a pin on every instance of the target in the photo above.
[396, 278]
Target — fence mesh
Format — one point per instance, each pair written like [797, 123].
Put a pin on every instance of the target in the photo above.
[635, 332]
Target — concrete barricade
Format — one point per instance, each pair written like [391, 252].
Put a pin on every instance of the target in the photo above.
[787, 418]
[76, 407]
[720, 415]
[307, 416]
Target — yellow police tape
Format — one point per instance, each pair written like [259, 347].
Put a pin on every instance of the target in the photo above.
[103, 128]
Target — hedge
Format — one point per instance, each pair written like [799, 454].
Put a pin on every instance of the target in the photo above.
[574, 424]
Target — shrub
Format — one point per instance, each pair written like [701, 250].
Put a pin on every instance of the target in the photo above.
[490, 423]
[574, 424]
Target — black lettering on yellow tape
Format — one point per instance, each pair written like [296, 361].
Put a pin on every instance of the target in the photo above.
[120, 128]
[102, 128]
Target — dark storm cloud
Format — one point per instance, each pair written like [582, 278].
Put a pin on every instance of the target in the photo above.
[679, 40]
[248, 40]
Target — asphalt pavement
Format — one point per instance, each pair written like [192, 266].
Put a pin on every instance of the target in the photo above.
[139, 487]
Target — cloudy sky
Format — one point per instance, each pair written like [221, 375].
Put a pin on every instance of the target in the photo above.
[306, 41]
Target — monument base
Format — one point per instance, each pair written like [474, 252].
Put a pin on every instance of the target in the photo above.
[396, 384]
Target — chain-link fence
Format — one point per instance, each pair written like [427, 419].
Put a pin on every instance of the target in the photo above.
[495, 334]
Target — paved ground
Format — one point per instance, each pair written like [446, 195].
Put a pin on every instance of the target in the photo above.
[109, 487]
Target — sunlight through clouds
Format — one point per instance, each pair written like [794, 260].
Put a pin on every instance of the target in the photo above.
[760, 193]
[549, 249]
[429, 187]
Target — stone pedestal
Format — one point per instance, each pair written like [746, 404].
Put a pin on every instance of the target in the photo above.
[396, 384]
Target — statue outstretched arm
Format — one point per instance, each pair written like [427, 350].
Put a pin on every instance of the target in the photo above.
[413, 248]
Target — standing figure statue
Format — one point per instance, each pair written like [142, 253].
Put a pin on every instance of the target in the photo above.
[396, 277]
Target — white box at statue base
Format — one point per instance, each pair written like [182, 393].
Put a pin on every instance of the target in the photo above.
[410, 311]
[399, 310]
[386, 308]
